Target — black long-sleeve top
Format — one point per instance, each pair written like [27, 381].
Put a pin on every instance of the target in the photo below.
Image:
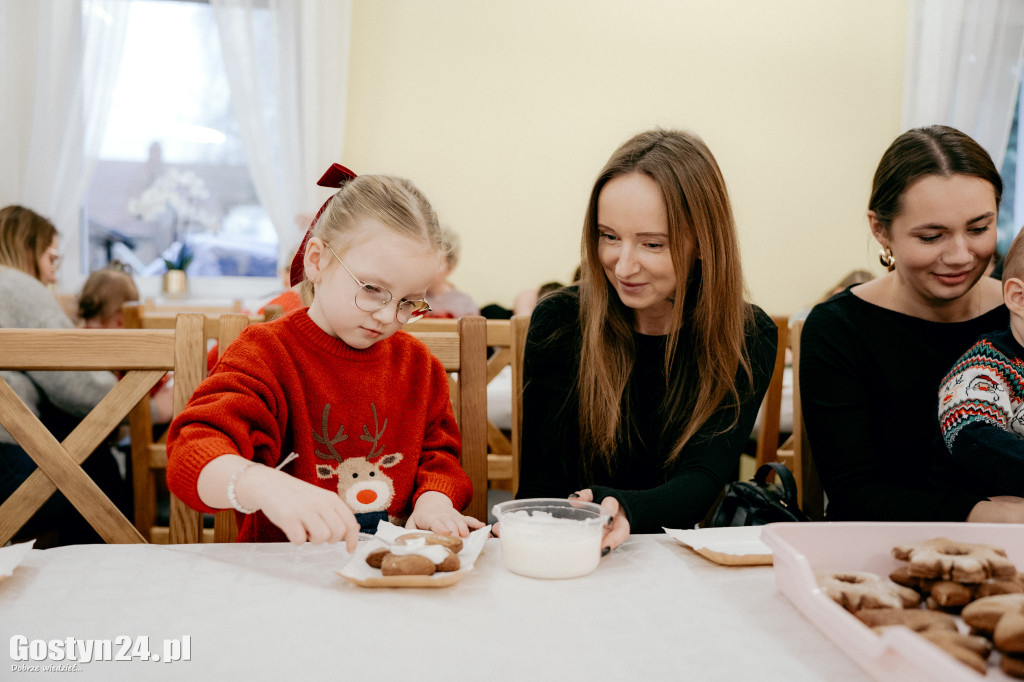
[651, 495]
[869, 381]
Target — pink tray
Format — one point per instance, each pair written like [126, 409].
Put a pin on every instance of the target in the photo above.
[898, 654]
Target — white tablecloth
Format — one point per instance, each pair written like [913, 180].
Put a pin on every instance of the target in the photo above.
[653, 610]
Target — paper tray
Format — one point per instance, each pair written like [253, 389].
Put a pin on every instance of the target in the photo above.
[359, 573]
[898, 654]
[733, 546]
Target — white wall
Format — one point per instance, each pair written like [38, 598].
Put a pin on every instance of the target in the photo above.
[504, 112]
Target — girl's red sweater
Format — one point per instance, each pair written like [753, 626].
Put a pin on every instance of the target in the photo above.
[375, 425]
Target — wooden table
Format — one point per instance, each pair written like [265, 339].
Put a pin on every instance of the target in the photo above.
[653, 610]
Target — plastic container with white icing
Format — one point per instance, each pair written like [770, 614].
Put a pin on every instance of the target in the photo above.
[550, 537]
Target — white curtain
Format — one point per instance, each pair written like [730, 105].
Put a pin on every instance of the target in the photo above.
[962, 67]
[279, 56]
[61, 59]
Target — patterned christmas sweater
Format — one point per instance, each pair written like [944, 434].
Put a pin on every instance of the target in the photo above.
[375, 425]
[981, 412]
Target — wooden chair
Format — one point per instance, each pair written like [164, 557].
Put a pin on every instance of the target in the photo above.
[463, 352]
[139, 316]
[144, 356]
[768, 431]
[149, 461]
[506, 338]
[796, 452]
[150, 306]
[520, 327]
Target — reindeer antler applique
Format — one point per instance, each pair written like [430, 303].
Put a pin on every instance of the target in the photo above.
[324, 439]
[375, 449]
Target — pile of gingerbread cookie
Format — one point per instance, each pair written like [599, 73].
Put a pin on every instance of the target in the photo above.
[418, 554]
[940, 580]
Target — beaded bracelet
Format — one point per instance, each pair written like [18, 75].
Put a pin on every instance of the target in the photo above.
[231, 489]
[238, 474]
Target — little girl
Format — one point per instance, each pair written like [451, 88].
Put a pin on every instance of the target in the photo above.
[364, 410]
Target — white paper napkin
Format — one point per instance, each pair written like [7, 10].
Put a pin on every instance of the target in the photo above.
[736, 540]
[12, 556]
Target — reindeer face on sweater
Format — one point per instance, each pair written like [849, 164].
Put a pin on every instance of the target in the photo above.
[362, 483]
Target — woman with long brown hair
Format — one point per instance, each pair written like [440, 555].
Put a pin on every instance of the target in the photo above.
[642, 383]
[873, 357]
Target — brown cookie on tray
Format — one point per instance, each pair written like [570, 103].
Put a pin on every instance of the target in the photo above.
[970, 650]
[984, 614]
[450, 563]
[1012, 665]
[1008, 634]
[452, 542]
[375, 557]
[949, 596]
[962, 562]
[856, 590]
[994, 586]
[408, 564]
[918, 620]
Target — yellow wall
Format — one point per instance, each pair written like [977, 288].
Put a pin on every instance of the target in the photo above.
[504, 112]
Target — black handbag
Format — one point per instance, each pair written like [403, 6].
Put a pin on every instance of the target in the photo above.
[757, 502]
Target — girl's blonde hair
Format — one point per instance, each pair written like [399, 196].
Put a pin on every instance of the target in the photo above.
[710, 312]
[104, 293]
[393, 201]
[24, 238]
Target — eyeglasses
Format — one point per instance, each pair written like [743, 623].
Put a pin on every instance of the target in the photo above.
[373, 297]
[55, 257]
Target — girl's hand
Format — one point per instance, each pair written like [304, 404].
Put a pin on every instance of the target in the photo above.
[302, 510]
[616, 533]
[434, 512]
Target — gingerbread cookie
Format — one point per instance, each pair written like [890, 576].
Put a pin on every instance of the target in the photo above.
[970, 650]
[452, 542]
[952, 596]
[411, 553]
[1012, 665]
[962, 562]
[917, 620]
[856, 590]
[983, 614]
[410, 564]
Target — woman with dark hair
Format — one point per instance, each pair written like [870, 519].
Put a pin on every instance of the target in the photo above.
[28, 262]
[642, 382]
[873, 356]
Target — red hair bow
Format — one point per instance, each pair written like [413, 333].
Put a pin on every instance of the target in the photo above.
[336, 176]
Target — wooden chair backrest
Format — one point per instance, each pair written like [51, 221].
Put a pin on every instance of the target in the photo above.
[768, 431]
[796, 452]
[143, 355]
[187, 523]
[463, 352]
[506, 339]
[152, 307]
[139, 316]
[520, 326]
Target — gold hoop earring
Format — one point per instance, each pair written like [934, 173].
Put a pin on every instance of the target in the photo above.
[886, 258]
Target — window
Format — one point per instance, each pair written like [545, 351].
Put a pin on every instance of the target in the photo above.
[1011, 213]
[1009, 222]
[171, 173]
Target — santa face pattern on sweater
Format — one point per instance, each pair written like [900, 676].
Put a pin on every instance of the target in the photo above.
[362, 483]
[986, 385]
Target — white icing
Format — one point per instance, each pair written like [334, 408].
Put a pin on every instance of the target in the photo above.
[435, 553]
